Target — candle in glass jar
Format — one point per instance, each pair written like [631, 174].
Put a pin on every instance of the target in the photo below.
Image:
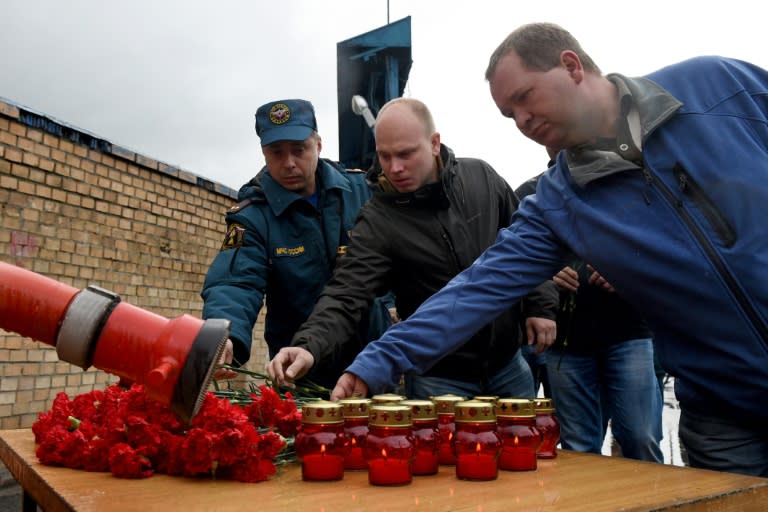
[384, 470]
[477, 466]
[318, 467]
[548, 426]
[425, 434]
[446, 426]
[321, 443]
[355, 412]
[516, 426]
[389, 448]
[476, 442]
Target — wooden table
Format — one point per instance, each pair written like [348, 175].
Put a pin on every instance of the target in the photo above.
[571, 482]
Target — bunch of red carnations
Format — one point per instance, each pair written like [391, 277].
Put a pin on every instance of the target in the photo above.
[123, 431]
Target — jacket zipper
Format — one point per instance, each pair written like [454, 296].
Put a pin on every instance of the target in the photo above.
[452, 250]
[712, 255]
[692, 189]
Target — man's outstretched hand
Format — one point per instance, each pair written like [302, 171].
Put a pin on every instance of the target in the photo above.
[349, 385]
[227, 355]
[289, 364]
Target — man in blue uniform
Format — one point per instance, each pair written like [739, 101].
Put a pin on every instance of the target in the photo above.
[283, 237]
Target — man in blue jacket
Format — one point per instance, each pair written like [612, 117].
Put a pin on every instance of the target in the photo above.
[662, 186]
[283, 237]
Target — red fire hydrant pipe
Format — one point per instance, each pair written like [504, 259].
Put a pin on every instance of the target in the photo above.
[31, 304]
[174, 359]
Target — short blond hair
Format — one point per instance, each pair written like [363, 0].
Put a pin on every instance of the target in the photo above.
[417, 107]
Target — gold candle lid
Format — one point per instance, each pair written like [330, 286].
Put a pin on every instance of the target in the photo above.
[387, 398]
[390, 415]
[487, 398]
[515, 408]
[355, 407]
[321, 411]
[445, 403]
[421, 409]
[474, 411]
[544, 405]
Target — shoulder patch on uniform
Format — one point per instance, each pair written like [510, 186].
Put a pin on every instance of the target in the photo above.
[234, 237]
[356, 171]
[239, 206]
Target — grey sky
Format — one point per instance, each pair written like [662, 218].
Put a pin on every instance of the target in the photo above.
[179, 81]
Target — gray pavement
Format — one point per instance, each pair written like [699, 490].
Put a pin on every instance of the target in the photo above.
[10, 492]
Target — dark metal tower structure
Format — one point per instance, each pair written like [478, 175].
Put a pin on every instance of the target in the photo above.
[374, 65]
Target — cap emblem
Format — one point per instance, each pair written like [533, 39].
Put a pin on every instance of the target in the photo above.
[279, 113]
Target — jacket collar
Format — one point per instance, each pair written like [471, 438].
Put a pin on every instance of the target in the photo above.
[327, 177]
[644, 106]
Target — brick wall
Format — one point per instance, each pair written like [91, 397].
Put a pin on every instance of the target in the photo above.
[81, 210]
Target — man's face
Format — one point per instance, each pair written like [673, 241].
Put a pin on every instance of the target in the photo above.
[544, 104]
[293, 163]
[406, 151]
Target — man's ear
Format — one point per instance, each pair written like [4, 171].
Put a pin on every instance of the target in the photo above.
[434, 142]
[319, 144]
[572, 64]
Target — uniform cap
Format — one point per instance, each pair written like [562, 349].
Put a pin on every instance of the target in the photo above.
[292, 120]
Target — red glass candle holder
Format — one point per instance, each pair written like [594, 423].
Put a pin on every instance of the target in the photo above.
[390, 447]
[321, 444]
[446, 427]
[355, 412]
[516, 426]
[548, 426]
[425, 434]
[476, 442]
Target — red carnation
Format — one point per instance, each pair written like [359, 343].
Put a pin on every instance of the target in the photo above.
[125, 462]
[124, 431]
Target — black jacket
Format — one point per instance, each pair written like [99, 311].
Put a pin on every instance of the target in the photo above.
[592, 318]
[413, 244]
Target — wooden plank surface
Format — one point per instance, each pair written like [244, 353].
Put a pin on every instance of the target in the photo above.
[572, 482]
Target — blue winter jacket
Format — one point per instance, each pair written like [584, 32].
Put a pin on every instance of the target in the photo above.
[681, 235]
[279, 245]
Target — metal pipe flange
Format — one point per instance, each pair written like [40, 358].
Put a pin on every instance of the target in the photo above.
[82, 324]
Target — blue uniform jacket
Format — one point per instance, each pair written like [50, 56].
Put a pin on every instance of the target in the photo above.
[682, 236]
[279, 245]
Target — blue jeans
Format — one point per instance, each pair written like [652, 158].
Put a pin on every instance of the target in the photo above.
[723, 443]
[538, 364]
[512, 380]
[617, 382]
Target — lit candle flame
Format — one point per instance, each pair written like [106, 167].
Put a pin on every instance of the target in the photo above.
[384, 453]
[322, 450]
[478, 448]
[516, 441]
[354, 442]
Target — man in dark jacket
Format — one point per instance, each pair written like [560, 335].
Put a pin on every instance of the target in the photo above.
[431, 215]
[283, 237]
[601, 365]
